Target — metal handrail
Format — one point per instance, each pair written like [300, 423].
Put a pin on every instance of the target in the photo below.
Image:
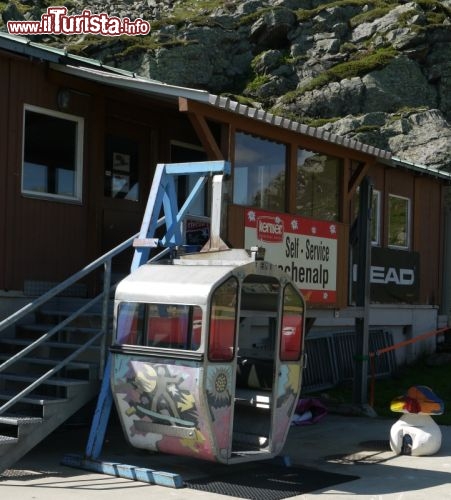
[104, 260]
[32, 306]
[49, 334]
[15, 399]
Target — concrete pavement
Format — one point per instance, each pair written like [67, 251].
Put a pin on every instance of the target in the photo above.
[341, 444]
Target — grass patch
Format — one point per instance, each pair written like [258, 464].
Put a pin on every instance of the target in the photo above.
[304, 14]
[434, 5]
[124, 46]
[385, 390]
[257, 82]
[253, 16]
[369, 16]
[360, 65]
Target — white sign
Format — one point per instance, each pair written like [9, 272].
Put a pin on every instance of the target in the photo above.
[306, 249]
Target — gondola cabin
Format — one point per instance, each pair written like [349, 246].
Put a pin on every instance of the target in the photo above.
[208, 356]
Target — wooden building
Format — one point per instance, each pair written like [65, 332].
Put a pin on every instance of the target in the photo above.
[79, 143]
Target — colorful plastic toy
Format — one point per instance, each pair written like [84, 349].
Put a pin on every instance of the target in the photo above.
[416, 433]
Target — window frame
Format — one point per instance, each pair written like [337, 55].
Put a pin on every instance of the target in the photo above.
[376, 212]
[78, 153]
[287, 355]
[238, 170]
[226, 352]
[146, 337]
[408, 222]
[314, 180]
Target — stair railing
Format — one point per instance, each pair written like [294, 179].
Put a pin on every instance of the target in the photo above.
[162, 196]
[107, 289]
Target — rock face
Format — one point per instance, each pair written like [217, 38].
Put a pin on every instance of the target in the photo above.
[380, 74]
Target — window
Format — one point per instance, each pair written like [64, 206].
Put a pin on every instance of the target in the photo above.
[182, 153]
[292, 325]
[398, 221]
[375, 215]
[317, 185]
[121, 168]
[221, 344]
[52, 154]
[259, 173]
[170, 326]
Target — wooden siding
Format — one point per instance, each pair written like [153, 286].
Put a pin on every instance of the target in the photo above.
[426, 229]
[46, 240]
[4, 124]
[427, 236]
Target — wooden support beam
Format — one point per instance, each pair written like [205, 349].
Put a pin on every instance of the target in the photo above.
[272, 130]
[357, 178]
[203, 131]
[345, 214]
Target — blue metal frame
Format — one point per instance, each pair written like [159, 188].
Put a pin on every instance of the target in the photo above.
[162, 196]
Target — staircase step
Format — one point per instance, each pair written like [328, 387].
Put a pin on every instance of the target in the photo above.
[8, 440]
[14, 426]
[55, 316]
[92, 368]
[52, 362]
[36, 399]
[11, 419]
[53, 344]
[62, 382]
[45, 327]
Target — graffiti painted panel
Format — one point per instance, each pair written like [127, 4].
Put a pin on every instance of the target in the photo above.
[160, 407]
[287, 395]
[219, 401]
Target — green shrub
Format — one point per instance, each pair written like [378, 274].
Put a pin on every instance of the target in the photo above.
[369, 16]
[257, 82]
[359, 65]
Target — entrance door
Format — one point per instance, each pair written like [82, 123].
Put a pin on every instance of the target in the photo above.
[127, 174]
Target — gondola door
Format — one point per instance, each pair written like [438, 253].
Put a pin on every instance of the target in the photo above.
[257, 367]
[269, 364]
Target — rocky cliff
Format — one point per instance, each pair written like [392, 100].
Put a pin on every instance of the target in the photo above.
[377, 71]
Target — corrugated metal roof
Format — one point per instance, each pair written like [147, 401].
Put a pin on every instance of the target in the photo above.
[423, 169]
[24, 46]
[258, 114]
[166, 91]
[94, 70]
[133, 82]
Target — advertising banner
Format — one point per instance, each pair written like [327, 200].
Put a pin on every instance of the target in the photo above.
[394, 276]
[306, 249]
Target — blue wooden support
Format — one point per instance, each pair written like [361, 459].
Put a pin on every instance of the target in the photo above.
[162, 196]
[101, 415]
[125, 471]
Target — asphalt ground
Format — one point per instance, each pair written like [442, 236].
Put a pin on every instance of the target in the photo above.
[356, 446]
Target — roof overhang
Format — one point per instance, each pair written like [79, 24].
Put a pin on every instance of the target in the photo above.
[167, 92]
[132, 82]
[92, 70]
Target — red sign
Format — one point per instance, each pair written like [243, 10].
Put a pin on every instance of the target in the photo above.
[306, 249]
[270, 228]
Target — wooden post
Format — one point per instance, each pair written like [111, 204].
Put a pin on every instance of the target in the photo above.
[363, 293]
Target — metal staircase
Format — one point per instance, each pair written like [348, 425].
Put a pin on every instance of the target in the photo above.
[52, 355]
[51, 368]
